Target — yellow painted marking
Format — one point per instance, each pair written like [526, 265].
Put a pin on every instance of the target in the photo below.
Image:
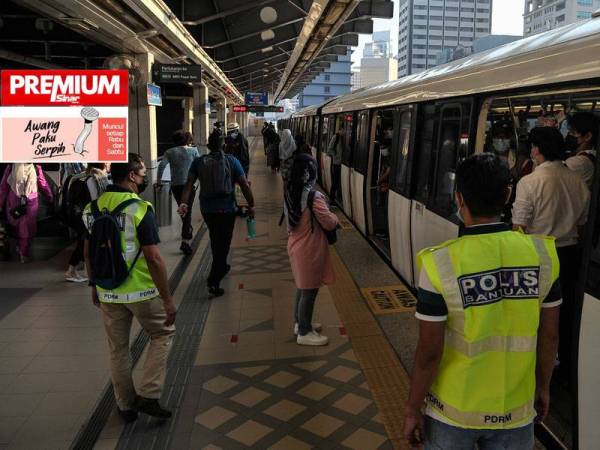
[389, 299]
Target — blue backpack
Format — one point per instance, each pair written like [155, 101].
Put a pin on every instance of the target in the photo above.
[108, 265]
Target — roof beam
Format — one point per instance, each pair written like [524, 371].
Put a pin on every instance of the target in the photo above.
[255, 33]
[271, 44]
[228, 12]
[258, 61]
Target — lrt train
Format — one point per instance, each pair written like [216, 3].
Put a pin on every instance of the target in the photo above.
[402, 141]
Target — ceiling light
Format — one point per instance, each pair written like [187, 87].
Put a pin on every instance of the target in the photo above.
[267, 35]
[266, 49]
[268, 14]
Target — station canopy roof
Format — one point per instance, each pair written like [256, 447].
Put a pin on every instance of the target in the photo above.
[277, 46]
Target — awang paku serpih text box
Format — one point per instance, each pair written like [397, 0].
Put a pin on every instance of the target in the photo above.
[64, 115]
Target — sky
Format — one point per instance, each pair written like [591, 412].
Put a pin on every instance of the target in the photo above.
[507, 18]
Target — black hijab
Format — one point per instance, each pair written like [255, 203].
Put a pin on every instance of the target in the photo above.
[302, 178]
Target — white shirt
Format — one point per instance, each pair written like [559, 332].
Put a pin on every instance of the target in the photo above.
[552, 201]
[583, 166]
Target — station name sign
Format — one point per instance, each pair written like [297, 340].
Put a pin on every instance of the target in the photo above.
[63, 115]
[256, 98]
[177, 73]
[258, 108]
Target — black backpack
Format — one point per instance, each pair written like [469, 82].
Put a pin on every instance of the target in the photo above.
[108, 266]
[214, 173]
[331, 235]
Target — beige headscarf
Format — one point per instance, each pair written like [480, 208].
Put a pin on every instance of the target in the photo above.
[23, 179]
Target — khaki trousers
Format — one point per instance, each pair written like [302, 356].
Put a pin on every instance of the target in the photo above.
[117, 323]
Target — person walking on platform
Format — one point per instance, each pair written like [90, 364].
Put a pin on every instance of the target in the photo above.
[236, 144]
[307, 217]
[334, 150]
[19, 196]
[218, 173]
[263, 132]
[272, 148]
[129, 279]
[554, 201]
[488, 308]
[180, 159]
[81, 191]
[287, 151]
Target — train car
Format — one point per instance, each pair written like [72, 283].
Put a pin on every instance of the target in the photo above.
[404, 139]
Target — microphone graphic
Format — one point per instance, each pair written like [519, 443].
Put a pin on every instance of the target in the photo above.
[89, 115]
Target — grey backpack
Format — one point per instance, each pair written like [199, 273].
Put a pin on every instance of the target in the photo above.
[214, 173]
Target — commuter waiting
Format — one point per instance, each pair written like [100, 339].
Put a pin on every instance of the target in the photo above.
[334, 150]
[583, 130]
[129, 279]
[19, 197]
[484, 361]
[180, 159]
[307, 216]
[236, 144]
[553, 201]
[287, 151]
[218, 173]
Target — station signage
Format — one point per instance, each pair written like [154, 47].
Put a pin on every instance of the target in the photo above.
[256, 98]
[258, 108]
[177, 73]
[64, 115]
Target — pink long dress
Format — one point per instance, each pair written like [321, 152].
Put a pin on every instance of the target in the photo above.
[25, 226]
[309, 251]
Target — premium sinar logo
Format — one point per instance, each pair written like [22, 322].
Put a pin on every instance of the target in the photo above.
[63, 115]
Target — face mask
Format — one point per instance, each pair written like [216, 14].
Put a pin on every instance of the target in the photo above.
[388, 134]
[143, 185]
[385, 152]
[234, 134]
[501, 145]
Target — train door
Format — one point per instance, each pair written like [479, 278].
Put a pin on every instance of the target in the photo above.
[325, 160]
[314, 138]
[377, 181]
[346, 123]
[399, 203]
[444, 141]
[358, 173]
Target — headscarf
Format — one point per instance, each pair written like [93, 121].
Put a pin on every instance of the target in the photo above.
[287, 146]
[23, 179]
[303, 176]
[101, 178]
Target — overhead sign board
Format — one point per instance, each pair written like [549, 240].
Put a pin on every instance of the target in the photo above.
[257, 98]
[258, 108]
[154, 95]
[63, 115]
[177, 73]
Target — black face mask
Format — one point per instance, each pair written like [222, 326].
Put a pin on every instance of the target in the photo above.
[143, 185]
[571, 144]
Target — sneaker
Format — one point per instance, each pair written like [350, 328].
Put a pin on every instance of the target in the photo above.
[151, 407]
[186, 248]
[316, 326]
[216, 291]
[75, 278]
[129, 415]
[313, 338]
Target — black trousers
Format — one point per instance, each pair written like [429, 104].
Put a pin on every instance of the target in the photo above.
[187, 231]
[77, 255]
[220, 229]
[570, 261]
[336, 182]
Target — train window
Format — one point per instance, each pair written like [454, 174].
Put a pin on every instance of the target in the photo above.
[400, 179]
[382, 156]
[426, 135]
[360, 156]
[324, 134]
[315, 132]
[452, 147]
[347, 125]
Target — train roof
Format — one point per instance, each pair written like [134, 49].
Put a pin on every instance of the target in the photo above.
[564, 54]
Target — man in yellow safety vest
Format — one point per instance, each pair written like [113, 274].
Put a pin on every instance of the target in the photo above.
[488, 325]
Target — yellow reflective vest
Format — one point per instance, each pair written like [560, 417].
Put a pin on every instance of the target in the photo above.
[493, 285]
[138, 286]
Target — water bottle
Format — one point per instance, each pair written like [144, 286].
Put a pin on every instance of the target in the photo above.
[251, 227]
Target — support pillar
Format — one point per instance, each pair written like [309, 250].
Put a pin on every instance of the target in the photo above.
[222, 111]
[143, 138]
[201, 115]
[188, 114]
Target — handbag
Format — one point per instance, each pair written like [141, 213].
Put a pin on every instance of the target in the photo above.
[331, 235]
[21, 209]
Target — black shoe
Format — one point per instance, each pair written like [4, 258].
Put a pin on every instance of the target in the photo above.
[227, 269]
[216, 291]
[151, 407]
[129, 415]
[186, 248]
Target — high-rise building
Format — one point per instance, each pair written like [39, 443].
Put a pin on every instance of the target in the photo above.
[544, 15]
[355, 79]
[332, 82]
[380, 46]
[377, 70]
[430, 27]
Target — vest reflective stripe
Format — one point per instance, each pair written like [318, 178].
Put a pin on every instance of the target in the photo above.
[490, 344]
[480, 419]
[131, 297]
[450, 287]
[545, 282]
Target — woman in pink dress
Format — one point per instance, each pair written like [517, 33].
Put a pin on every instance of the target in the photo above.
[307, 245]
[19, 188]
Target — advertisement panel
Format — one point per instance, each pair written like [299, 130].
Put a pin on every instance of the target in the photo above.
[63, 115]
[154, 95]
[257, 98]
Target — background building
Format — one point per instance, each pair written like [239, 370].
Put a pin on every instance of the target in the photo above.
[379, 47]
[377, 70]
[332, 82]
[430, 27]
[544, 15]
[355, 78]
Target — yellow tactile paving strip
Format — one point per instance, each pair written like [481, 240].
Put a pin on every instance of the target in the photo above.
[387, 379]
